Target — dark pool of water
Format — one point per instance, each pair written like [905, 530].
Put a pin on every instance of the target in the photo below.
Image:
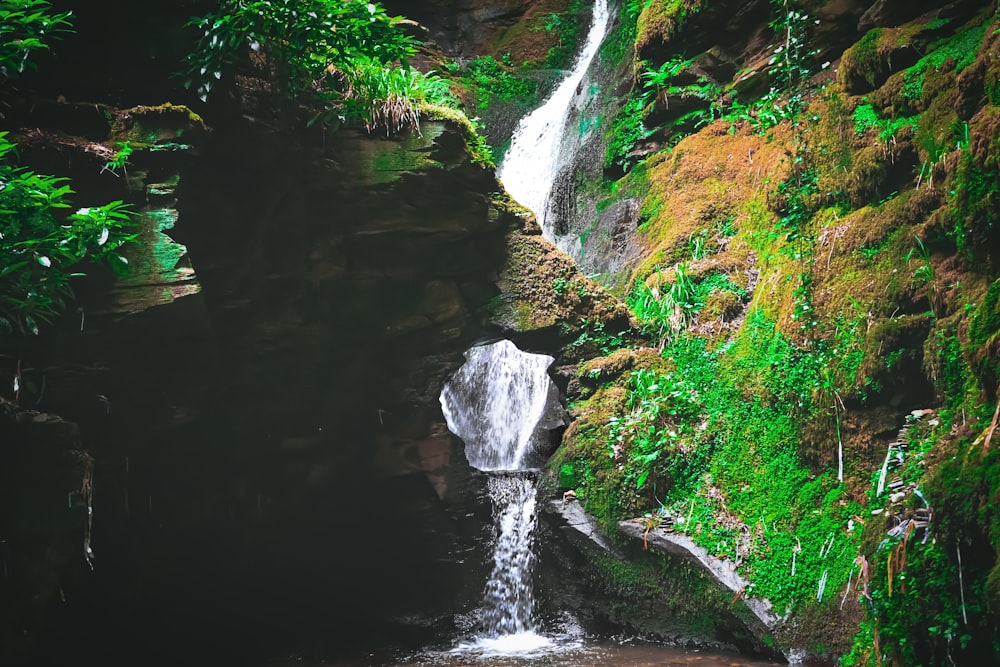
[578, 653]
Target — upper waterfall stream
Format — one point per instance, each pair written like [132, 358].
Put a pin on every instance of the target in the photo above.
[536, 152]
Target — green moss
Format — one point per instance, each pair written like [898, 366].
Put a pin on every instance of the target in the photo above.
[145, 126]
[626, 130]
[985, 324]
[712, 435]
[957, 52]
[867, 118]
[722, 305]
[864, 55]
[929, 608]
[661, 20]
[478, 148]
[974, 200]
[489, 80]
[871, 59]
[618, 45]
[666, 596]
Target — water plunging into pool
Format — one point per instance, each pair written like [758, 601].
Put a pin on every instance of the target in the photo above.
[499, 403]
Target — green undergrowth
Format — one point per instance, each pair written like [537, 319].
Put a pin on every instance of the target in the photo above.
[566, 28]
[682, 81]
[665, 312]
[959, 50]
[489, 80]
[708, 436]
[46, 242]
[617, 46]
[932, 594]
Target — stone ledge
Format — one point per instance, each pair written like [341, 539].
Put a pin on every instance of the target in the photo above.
[576, 519]
[721, 569]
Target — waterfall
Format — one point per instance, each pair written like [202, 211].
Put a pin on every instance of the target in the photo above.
[529, 168]
[501, 403]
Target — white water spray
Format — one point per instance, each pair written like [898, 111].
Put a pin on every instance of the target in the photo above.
[533, 160]
[510, 603]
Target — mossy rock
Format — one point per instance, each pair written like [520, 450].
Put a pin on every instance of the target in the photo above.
[146, 126]
[881, 52]
[867, 175]
[722, 305]
[661, 20]
[545, 36]
[544, 293]
[605, 369]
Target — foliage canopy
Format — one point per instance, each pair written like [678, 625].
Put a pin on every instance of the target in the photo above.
[349, 53]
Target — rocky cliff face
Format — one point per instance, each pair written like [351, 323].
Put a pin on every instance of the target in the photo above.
[261, 401]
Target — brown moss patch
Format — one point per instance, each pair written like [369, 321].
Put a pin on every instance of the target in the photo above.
[705, 181]
[722, 305]
[605, 369]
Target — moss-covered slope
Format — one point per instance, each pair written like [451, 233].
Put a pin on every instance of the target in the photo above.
[819, 286]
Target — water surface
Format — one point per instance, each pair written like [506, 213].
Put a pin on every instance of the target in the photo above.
[589, 653]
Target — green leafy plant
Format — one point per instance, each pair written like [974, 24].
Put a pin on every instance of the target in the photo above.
[792, 59]
[566, 27]
[924, 274]
[389, 97]
[42, 247]
[796, 205]
[306, 39]
[560, 285]
[626, 130]
[661, 83]
[349, 54]
[25, 27]
[119, 159]
[665, 314]
[867, 118]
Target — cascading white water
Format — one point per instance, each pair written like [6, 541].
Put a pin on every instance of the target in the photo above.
[509, 599]
[496, 402]
[533, 160]
[499, 402]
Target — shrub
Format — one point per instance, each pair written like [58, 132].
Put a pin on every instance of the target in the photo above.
[40, 249]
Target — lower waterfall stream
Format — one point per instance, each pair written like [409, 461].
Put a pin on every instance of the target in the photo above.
[498, 403]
